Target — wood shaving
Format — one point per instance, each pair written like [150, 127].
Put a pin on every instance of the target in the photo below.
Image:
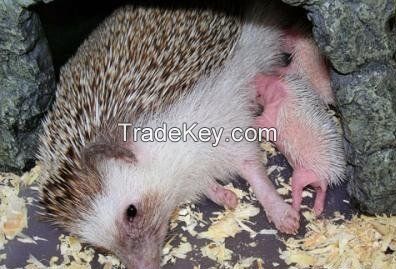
[31, 177]
[274, 168]
[170, 253]
[230, 222]
[189, 217]
[217, 251]
[13, 209]
[109, 261]
[362, 242]
[224, 224]
[309, 215]
[74, 256]
[23, 238]
[268, 232]
[38, 238]
[34, 263]
[247, 263]
[268, 147]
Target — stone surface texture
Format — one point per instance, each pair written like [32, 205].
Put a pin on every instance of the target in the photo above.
[26, 83]
[359, 39]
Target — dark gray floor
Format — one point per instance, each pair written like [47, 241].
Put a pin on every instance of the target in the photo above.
[266, 248]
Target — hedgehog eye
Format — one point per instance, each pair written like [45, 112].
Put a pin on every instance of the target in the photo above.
[131, 212]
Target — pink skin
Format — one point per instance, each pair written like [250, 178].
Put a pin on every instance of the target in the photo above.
[303, 177]
[285, 218]
[222, 196]
[308, 61]
[272, 94]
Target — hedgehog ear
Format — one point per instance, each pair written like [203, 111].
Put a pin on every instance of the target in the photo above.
[100, 150]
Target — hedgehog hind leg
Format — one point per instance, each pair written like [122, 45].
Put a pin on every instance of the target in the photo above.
[285, 218]
[303, 177]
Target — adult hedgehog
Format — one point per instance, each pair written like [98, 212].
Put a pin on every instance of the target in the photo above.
[148, 67]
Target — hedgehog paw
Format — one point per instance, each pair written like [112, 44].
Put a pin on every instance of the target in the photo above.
[222, 196]
[285, 218]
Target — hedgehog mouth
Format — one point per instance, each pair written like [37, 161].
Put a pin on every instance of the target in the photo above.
[148, 259]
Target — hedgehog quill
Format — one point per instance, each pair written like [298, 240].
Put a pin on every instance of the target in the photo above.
[147, 66]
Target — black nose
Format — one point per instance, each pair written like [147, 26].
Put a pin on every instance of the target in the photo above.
[131, 212]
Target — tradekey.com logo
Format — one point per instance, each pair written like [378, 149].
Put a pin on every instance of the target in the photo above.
[192, 132]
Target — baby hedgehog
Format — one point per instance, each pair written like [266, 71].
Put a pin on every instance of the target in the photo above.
[147, 67]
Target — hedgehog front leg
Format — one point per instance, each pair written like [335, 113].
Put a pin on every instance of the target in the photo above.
[222, 196]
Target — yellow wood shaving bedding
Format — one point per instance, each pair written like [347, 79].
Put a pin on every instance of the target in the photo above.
[170, 253]
[224, 224]
[109, 261]
[360, 243]
[231, 222]
[13, 210]
[74, 256]
[227, 224]
[249, 262]
[268, 147]
[363, 242]
[217, 252]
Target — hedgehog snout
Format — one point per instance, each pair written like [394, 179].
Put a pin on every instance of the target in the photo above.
[141, 262]
[142, 249]
[141, 226]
